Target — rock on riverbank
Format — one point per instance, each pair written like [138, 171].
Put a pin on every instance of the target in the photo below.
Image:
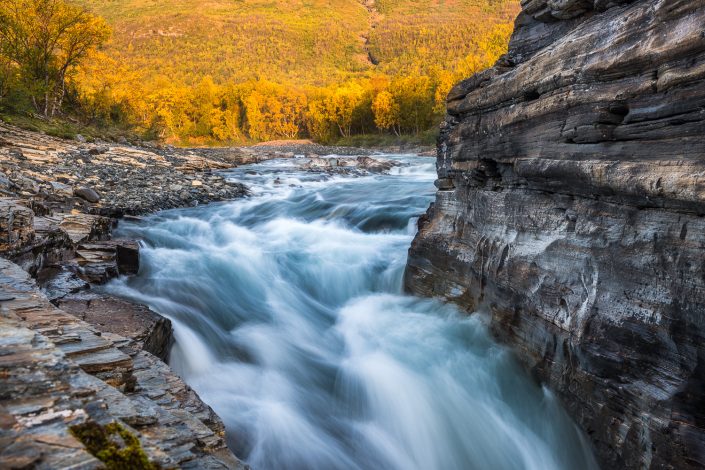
[570, 207]
[59, 373]
[96, 360]
[54, 175]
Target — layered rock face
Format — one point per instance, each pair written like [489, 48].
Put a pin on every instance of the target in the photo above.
[58, 372]
[570, 208]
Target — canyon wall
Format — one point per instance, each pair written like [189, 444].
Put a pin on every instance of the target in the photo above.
[570, 208]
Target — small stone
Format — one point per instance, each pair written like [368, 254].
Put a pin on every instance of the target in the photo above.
[196, 183]
[87, 194]
[61, 189]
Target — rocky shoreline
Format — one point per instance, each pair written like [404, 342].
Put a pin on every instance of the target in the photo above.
[73, 359]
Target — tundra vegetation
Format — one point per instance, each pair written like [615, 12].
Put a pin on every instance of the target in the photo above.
[248, 70]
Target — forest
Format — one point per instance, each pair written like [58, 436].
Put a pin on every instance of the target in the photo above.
[246, 71]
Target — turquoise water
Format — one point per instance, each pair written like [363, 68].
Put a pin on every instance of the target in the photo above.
[291, 323]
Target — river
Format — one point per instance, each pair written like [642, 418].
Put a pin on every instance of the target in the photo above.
[291, 323]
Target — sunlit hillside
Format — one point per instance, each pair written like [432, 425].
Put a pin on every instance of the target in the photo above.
[303, 42]
[310, 41]
[222, 71]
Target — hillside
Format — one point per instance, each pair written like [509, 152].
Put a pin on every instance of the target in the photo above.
[312, 42]
[224, 71]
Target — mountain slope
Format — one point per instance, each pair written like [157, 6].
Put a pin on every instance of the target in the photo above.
[304, 42]
[195, 72]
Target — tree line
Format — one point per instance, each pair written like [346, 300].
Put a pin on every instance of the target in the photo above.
[53, 63]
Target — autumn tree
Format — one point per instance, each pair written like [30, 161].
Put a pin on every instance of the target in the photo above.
[274, 111]
[415, 98]
[226, 118]
[342, 104]
[386, 111]
[7, 72]
[318, 123]
[46, 40]
[109, 90]
[172, 109]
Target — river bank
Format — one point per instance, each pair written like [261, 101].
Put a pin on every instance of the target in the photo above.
[60, 203]
[75, 360]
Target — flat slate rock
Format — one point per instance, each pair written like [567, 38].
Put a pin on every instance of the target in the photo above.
[58, 371]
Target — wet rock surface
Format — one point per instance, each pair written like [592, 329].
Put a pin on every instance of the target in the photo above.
[58, 372]
[147, 330]
[348, 165]
[570, 208]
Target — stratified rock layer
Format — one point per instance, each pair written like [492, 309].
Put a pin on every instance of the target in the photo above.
[570, 207]
[57, 372]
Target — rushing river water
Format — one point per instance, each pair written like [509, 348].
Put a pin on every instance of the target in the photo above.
[290, 322]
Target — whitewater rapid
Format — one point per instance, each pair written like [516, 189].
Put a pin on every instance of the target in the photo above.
[291, 323]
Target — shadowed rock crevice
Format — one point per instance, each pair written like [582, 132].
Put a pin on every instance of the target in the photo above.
[570, 207]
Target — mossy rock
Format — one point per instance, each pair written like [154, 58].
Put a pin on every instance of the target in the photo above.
[113, 445]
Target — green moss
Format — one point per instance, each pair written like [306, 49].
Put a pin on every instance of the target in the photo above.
[103, 442]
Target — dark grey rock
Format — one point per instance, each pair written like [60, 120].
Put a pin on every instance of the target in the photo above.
[87, 194]
[570, 208]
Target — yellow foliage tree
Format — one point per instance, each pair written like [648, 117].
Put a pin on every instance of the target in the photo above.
[171, 107]
[341, 105]
[109, 90]
[274, 111]
[415, 98]
[46, 40]
[386, 111]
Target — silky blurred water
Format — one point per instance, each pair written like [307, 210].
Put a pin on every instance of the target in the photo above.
[290, 322]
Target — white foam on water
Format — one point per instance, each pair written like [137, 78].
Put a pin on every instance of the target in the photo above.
[290, 322]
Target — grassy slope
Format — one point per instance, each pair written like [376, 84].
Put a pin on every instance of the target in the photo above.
[305, 42]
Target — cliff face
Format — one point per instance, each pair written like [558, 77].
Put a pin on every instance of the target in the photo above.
[570, 207]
